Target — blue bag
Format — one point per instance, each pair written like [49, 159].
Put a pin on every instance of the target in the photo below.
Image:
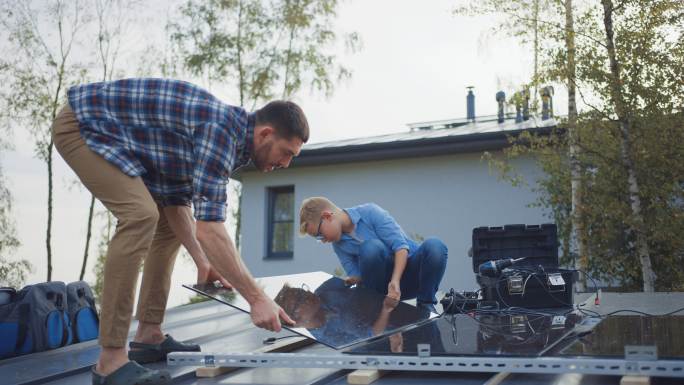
[82, 311]
[14, 339]
[34, 319]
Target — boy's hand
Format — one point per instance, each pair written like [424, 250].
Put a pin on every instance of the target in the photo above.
[389, 303]
[393, 290]
[396, 343]
[353, 280]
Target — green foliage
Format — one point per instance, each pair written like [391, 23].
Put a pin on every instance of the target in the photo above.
[339, 272]
[264, 49]
[37, 64]
[13, 272]
[416, 237]
[37, 68]
[260, 50]
[198, 298]
[649, 37]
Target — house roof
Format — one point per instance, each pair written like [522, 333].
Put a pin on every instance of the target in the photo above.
[424, 139]
[219, 328]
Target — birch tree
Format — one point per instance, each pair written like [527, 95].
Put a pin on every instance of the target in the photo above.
[40, 65]
[523, 19]
[629, 78]
[112, 17]
[13, 270]
[261, 50]
[578, 232]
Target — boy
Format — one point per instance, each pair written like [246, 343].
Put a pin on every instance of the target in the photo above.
[375, 251]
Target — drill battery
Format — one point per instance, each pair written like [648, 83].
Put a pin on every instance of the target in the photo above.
[552, 288]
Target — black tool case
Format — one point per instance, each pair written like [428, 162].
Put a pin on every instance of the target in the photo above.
[539, 243]
[535, 282]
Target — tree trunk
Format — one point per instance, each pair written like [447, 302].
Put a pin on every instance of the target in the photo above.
[48, 236]
[535, 77]
[624, 122]
[88, 236]
[238, 219]
[238, 47]
[288, 56]
[578, 230]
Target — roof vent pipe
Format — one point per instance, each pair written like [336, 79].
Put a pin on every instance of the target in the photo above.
[500, 99]
[518, 107]
[526, 104]
[470, 104]
[547, 102]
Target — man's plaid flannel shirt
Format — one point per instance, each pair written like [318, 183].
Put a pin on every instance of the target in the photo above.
[182, 141]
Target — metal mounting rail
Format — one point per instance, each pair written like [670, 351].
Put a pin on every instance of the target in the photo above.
[615, 367]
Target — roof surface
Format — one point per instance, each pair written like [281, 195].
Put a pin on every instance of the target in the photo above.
[424, 139]
[217, 328]
[438, 130]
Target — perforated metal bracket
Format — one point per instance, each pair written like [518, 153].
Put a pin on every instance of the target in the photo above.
[423, 350]
[209, 361]
[585, 365]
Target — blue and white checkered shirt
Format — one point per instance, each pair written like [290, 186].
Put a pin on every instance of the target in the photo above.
[182, 141]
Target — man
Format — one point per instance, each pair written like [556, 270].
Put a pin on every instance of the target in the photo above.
[147, 148]
[375, 251]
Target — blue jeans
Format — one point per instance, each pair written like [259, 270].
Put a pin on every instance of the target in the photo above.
[421, 278]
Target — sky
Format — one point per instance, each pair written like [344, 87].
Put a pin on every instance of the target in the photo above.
[416, 61]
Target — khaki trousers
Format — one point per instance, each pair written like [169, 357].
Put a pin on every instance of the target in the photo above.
[142, 233]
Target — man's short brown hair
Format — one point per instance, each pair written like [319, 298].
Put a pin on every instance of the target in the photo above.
[286, 118]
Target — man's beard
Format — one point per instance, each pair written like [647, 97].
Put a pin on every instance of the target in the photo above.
[261, 157]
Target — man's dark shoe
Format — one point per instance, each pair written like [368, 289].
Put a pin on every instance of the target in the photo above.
[132, 374]
[426, 308]
[146, 353]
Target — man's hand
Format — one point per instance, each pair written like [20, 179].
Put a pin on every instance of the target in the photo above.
[266, 314]
[207, 274]
[353, 280]
[393, 290]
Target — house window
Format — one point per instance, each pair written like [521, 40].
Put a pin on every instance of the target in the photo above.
[280, 222]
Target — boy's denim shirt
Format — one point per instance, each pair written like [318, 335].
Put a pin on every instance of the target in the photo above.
[370, 222]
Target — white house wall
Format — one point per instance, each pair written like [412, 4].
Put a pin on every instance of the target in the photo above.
[445, 196]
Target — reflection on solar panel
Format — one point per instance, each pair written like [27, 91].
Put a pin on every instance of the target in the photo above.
[460, 334]
[611, 336]
[325, 309]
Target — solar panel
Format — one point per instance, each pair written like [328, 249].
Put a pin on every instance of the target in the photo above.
[325, 309]
[611, 336]
[482, 334]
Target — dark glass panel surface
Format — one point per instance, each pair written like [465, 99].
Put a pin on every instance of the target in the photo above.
[611, 336]
[484, 334]
[325, 309]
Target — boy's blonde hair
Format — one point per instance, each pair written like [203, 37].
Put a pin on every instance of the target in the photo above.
[311, 211]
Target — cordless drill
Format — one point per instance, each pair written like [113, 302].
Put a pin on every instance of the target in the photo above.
[494, 268]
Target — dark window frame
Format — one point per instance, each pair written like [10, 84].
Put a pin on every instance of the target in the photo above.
[271, 195]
